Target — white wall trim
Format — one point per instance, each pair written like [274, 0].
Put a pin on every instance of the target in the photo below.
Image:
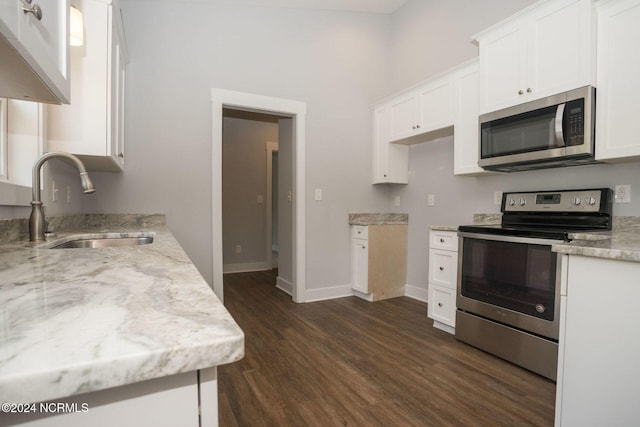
[246, 267]
[270, 147]
[221, 98]
[416, 292]
[284, 285]
[329, 293]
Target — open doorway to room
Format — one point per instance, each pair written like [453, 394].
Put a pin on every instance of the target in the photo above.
[290, 189]
[249, 182]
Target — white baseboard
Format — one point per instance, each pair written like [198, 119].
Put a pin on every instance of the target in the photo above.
[245, 267]
[284, 286]
[416, 292]
[328, 293]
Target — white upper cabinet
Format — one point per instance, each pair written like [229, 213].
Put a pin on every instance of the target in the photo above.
[424, 109]
[34, 47]
[466, 144]
[546, 49]
[617, 109]
[92, 127]
[390, 161]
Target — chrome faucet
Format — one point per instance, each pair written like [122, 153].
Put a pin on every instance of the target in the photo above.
[36, 220]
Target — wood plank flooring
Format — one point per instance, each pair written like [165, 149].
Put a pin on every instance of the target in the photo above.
[349, 362]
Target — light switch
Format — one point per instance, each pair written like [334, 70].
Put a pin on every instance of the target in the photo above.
[318, 194]
[259, 198]
[397, 201]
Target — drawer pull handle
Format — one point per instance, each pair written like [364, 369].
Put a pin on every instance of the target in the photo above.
[439, 304]
[441, 240]
[441, 268]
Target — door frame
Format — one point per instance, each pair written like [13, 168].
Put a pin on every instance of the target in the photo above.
[221, 98]
[270, 147]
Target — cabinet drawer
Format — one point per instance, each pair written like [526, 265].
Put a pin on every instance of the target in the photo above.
[443, 266]
[360, 232]
[446, 240]
[442, 305]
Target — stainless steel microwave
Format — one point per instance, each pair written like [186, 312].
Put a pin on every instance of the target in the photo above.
[551, 132]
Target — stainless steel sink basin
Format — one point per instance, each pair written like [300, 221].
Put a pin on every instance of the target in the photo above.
[105, 242]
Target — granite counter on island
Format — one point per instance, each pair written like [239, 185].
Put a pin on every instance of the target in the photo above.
[77, 321]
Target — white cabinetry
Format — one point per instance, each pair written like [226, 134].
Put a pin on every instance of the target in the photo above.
[424, 109]
[443, 273]
[34, 52]
[598, 375]
[378, 260]
[390, 161]
[92, 127]
[617, 109]
[466, 144]
[545, 49]
[359, 258]
[187, 399]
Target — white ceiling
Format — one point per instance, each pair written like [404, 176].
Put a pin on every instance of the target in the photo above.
[371, 6]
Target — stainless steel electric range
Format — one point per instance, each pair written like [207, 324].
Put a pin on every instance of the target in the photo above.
[508, 296]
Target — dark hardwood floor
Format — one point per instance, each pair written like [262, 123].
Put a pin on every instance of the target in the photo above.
[349, 362]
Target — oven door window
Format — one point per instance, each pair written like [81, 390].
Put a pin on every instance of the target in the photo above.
[517, 276]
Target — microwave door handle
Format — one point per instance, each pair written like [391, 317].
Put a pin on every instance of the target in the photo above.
[559, 121]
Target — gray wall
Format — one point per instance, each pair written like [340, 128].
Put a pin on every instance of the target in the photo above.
[335, 62]
[425, 26]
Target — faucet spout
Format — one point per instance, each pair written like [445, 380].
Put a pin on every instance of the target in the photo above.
[36, 220]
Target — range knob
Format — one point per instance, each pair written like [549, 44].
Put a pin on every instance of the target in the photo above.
[522, 201]
[512, 202]
[577, 201]
[591, 200]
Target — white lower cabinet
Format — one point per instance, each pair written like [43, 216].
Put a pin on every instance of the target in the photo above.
[378, 260]
[598, 374]
[187, 399]
[443, 277]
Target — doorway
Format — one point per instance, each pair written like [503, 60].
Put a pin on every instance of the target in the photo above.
[291, 131]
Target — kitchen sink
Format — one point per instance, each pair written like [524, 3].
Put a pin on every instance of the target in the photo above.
[104, 242]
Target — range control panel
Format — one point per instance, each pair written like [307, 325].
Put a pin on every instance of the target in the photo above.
[591, 200]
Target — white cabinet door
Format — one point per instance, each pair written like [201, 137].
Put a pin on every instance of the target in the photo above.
[561, 50]
[40, 70]
[92, 127]
[502, 64]
[404, 117]
[617, 109]
[436, 106]
[466, 137]
[548, 49]
[390, 161]
[360, 265]
[599, 379]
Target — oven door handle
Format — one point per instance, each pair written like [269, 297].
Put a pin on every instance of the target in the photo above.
[510, 239]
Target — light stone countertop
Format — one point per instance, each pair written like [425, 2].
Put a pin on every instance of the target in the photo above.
[378, 218]
[79, 320]
[621, 243]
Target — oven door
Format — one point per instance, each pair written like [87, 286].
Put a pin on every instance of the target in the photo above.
[511, 280]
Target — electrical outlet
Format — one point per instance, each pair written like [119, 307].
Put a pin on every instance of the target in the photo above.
[431, 199]
[54, 191]
[397, 201]
[238, 249]
[259, 198]
[497, 197]
[623, 193]
[318, 194]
